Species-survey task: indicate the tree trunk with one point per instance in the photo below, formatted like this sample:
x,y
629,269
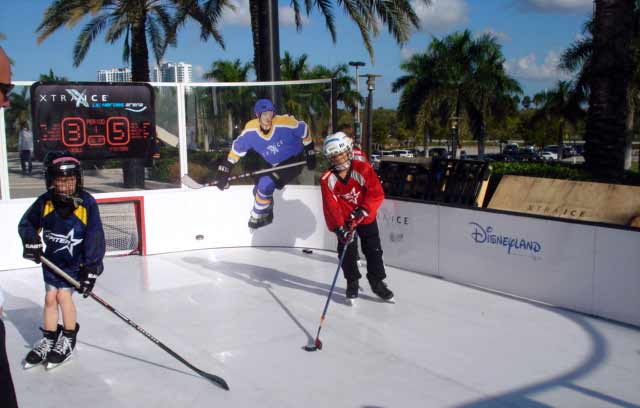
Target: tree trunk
x,y
612,68
630,122
561,140
139,51
254,10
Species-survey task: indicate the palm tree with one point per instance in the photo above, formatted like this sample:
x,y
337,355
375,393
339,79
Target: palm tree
x,y
578,59
611,71
562,105
458,77
397,15
142,22
237,100
52,78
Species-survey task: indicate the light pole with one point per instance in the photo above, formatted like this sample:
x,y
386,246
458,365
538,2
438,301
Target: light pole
x,y
371,86
357,64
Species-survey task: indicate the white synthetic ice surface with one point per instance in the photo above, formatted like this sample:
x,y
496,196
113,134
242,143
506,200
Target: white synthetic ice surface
x,y
245,314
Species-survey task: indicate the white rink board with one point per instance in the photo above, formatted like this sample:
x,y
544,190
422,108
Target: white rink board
x,y
555,267
409,235
617,275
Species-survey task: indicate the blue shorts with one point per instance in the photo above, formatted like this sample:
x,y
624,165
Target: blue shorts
x,y
54,281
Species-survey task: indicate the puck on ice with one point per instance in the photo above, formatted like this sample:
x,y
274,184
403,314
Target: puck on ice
x,y
307,251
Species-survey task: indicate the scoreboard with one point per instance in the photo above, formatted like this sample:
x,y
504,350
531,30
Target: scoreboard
x,y
93,120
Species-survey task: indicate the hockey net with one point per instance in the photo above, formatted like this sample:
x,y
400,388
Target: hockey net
x,y
123,223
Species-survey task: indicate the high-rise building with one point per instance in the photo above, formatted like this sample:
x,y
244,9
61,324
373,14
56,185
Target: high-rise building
x,y
114,75
173,72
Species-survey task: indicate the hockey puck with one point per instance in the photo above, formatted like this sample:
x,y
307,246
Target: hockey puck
x,y
307,251
199,237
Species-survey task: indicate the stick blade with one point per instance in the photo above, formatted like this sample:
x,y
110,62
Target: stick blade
x,y
191,183
215,379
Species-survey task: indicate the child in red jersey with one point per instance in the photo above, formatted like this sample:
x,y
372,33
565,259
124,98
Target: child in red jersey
x,y
351,195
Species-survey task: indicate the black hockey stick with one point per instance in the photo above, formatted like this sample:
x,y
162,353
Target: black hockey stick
x,y
219,381
318,344
191,183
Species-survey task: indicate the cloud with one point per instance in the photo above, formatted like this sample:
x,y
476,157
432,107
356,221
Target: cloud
x,y
555,6
441,15
528,68
502,37
242,17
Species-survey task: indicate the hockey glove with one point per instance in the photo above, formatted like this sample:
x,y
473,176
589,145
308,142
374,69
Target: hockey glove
x,y
310,155
32,249
222,178
344,234
358,215
88,275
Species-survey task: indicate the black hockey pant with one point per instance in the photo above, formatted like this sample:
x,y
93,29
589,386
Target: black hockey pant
x,y
370,238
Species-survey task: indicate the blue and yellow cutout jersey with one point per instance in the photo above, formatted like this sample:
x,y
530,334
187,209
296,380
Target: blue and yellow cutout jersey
x,y
286,139
70,242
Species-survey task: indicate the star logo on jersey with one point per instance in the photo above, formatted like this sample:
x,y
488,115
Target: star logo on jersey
x,y
352,197
68,241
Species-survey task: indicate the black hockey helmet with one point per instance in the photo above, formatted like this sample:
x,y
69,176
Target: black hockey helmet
x,y
62,164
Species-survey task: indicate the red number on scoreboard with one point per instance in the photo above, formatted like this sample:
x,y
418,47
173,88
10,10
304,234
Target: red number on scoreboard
x,y
118,131
74,132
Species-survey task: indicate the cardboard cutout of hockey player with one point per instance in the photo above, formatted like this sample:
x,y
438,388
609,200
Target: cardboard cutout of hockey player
x,y
279,140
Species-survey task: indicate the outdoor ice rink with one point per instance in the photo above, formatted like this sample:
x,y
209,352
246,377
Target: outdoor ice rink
x,y
245,314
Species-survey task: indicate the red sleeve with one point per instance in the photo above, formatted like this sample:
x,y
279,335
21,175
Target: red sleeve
x,y
375,195
330,205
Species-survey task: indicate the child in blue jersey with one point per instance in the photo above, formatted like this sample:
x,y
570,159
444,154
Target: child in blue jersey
x,y
279,140
70,223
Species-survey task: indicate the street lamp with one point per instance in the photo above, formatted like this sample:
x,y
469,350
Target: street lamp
x,y
357,64
455,128
371,86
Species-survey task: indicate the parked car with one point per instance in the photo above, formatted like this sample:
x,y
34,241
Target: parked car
x,y
438,152
510,148
402,153
548,155
384,153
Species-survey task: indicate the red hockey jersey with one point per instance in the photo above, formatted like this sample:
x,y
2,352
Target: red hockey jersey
x,y
361,188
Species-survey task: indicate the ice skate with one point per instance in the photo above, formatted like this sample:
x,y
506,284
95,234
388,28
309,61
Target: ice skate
x,y
352,292
63,349
42,348
260,220
380,288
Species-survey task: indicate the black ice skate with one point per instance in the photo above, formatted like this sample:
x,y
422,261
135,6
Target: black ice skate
x,y
260,220
42,348
380,288
352,292
63,349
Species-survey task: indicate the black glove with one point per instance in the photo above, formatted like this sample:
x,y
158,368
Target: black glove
x,y
358,214
344,234
310,155
32,249
88,275
222,178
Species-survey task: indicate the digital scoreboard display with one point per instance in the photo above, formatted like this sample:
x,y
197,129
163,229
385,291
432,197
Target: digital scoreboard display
x,y
93,120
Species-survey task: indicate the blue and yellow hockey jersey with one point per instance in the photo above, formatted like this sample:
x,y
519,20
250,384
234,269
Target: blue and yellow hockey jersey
x,y
70,242
286,139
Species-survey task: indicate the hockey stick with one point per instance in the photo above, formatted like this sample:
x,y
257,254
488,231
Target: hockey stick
x,y
318,344
219,381
191,183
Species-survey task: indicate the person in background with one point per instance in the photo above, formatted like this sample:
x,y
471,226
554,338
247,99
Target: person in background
x,y
25,147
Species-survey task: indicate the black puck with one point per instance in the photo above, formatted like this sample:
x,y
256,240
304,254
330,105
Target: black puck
x,y
307,251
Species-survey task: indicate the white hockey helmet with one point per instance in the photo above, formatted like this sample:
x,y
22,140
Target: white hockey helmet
x,y
333,148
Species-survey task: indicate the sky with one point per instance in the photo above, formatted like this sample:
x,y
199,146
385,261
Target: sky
x,y
533,34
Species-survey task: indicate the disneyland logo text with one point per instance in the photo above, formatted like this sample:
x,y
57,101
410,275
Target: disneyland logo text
x,y
514,245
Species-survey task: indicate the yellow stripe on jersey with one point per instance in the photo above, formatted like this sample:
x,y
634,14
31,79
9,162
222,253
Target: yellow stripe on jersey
x,y
262,200
48,209
233,157
81,213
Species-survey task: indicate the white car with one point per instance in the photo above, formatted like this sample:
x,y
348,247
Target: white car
x,y
402,153
548,156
